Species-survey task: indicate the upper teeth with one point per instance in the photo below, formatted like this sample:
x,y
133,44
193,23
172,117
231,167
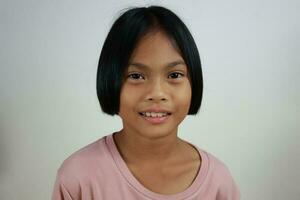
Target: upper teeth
x,y
154,114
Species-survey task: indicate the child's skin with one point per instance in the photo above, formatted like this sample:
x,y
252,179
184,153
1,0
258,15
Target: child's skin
x,y
159,159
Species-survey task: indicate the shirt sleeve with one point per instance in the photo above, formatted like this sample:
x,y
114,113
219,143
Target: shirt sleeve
x,y
228,191
60,192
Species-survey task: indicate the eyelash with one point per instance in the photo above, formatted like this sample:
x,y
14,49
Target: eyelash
x,y
178,73
140,75
130,76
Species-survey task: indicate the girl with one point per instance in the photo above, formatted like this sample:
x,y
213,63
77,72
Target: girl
x,y
149,74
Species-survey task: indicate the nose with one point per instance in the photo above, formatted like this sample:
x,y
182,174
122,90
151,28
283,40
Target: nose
x,y
156,91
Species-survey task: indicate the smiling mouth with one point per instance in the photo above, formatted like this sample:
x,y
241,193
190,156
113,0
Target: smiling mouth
x,y
155,118
154,114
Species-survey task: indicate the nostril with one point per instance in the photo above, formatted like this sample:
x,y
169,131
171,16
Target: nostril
x,y
151,99
156,99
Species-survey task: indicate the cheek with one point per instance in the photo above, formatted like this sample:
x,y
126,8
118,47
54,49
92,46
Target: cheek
x,y
128,98
184,92
184,97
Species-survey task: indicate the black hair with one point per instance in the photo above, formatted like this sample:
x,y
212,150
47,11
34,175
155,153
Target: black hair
x,y
122,39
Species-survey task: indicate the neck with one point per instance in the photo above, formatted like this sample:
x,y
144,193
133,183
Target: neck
x,y
138,149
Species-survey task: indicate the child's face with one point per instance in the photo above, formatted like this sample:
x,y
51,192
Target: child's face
x,y
152,88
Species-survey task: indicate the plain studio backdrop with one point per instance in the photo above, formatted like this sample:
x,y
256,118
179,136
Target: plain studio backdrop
x,y
250,112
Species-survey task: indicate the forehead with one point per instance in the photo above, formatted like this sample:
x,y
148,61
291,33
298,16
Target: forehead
x,y
156,48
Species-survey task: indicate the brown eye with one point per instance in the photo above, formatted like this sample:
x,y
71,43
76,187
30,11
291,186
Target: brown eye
x,y
175,75
135,76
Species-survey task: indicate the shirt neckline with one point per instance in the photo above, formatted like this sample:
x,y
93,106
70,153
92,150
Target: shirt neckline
x,y
130,178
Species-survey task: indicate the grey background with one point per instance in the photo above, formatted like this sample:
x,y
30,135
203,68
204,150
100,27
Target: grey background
x,y
250,113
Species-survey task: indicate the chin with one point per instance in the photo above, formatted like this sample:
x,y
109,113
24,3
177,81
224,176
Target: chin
x,y
157,132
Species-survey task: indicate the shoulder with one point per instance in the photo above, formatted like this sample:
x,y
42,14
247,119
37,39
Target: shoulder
x,y
227,187
79,170
221,179
219,168
214,165
81,163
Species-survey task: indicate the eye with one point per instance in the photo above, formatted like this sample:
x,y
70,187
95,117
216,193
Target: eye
x,y
175,75
135,76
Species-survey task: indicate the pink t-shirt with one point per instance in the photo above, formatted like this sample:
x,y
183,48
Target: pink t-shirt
x,y
98,172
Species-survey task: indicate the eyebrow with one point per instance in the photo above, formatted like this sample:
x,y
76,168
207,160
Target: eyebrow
x,y
171,64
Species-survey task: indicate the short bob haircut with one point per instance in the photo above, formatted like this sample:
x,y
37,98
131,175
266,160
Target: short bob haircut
x,y
122,39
